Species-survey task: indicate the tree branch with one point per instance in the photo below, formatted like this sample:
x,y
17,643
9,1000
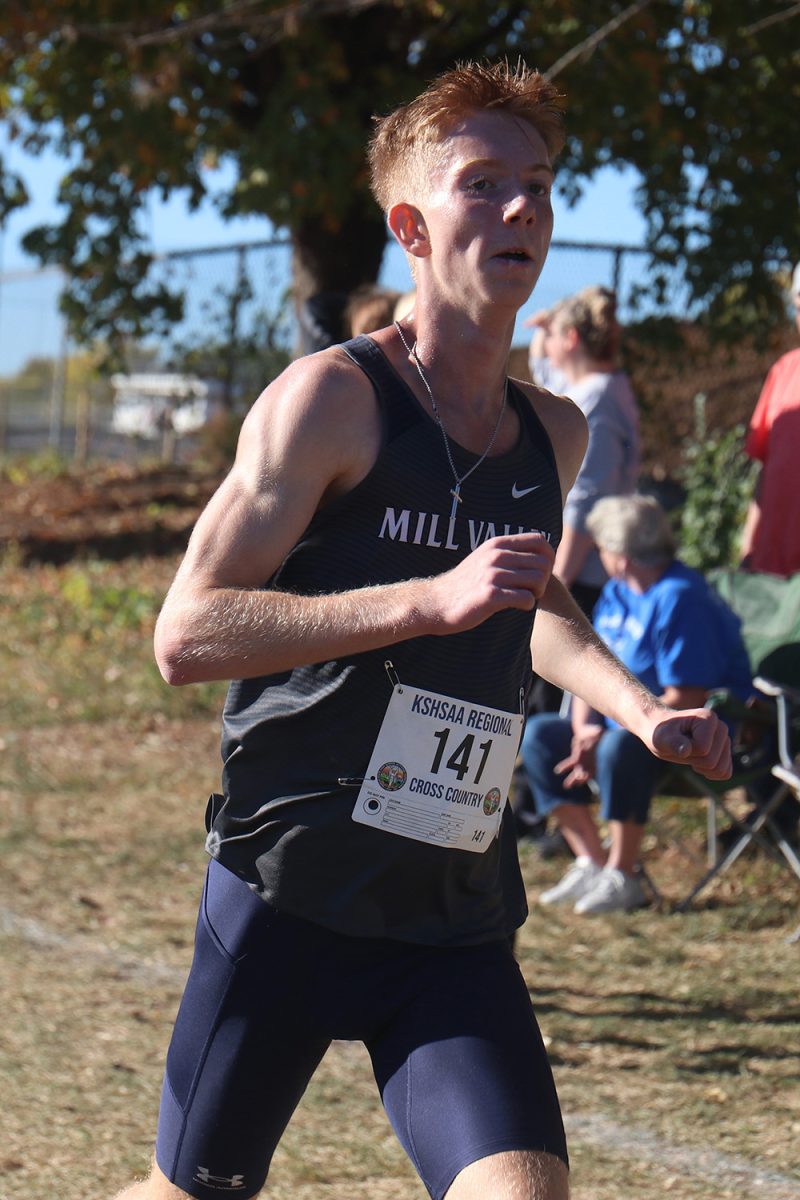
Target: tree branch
x,y
279,21
587,47
757,26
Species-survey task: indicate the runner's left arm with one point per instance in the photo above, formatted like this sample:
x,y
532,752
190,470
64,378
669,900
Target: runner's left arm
x,y
568,652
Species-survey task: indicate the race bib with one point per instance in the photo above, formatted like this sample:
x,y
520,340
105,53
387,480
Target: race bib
x,y
440,770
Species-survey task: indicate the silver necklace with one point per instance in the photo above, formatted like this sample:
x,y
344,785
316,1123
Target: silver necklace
x,y
455,491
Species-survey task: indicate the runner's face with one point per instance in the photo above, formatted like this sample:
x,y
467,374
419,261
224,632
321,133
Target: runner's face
x,y
488,215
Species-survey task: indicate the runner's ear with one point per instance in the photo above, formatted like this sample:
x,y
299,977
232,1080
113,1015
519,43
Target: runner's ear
x,y
408,226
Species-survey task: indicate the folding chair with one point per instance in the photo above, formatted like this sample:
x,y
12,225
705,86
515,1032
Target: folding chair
x,y
769,609
788,769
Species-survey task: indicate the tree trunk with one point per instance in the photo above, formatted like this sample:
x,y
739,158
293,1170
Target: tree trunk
x,y
327,265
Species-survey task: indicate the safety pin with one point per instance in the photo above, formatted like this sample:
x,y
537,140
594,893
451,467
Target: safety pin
x,y
393,676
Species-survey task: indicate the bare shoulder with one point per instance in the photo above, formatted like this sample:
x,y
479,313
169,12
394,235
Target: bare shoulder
x,y
555,412
566,427
313,434
319,415
323,396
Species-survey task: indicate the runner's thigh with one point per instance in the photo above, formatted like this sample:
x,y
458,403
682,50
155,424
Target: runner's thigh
x,y
462,1068
243,1048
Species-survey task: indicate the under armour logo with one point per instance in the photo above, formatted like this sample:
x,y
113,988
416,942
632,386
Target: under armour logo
x,y
517,492
222,1183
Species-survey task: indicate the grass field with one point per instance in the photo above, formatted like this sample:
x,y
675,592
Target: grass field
x,y
673,1037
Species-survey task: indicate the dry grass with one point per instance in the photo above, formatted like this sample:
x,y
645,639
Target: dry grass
x,y
673,1036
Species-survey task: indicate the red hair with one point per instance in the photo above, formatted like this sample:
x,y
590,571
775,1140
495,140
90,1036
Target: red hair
x,y
402,141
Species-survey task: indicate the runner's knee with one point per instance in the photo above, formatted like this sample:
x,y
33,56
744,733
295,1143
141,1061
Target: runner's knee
x,y
513,1175
157,1187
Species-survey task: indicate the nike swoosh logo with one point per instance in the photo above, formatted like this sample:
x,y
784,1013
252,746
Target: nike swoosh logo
x,y
518,493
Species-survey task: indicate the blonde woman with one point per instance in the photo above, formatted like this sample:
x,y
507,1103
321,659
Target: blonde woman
x,y
580,341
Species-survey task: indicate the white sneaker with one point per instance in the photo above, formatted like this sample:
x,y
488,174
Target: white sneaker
x,y
579,879
613,891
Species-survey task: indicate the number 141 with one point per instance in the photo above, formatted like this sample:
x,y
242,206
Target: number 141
x,y
460,758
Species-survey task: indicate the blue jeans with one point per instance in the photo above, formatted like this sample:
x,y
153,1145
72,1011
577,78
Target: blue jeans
x,y
626,771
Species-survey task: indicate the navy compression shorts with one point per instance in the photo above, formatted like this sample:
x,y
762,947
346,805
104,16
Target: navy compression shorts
x,y
455,1047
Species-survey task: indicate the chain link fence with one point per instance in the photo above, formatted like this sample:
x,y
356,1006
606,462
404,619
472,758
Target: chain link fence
x,y
238,330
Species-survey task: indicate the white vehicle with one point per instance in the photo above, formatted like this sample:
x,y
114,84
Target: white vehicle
x,y
147,404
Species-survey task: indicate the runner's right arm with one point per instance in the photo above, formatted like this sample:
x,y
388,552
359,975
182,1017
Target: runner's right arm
x,y
311,436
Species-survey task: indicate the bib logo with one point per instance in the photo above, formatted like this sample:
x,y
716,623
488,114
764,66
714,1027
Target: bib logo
x,y
392,776
491,801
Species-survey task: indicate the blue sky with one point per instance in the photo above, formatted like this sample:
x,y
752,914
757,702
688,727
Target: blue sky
x,y
605,214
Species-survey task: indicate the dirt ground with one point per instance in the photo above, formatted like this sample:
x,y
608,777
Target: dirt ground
x,y
673,1036
109,510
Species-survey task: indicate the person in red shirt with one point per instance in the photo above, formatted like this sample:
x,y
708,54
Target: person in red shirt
x,y
771,536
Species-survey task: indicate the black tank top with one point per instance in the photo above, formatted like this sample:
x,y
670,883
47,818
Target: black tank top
x,y
284,823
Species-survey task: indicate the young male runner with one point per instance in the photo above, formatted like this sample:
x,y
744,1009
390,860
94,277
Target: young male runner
x,y
368,576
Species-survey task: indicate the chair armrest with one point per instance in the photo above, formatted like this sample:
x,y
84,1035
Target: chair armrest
x,y
788,775
786,699
770,688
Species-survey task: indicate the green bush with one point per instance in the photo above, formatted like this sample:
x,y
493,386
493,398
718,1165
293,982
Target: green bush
x,y
718,478
20,469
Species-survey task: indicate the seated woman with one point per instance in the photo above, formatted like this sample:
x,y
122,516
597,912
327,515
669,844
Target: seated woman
x,y
678,637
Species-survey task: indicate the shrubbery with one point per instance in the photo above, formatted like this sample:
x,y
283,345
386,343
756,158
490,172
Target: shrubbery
x,y
718,478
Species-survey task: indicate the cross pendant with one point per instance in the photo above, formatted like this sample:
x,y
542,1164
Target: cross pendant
x,y
456,494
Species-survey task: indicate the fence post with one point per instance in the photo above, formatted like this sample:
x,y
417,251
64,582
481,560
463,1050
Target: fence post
x,y
235,301
169,434
82,425
4,406
57,393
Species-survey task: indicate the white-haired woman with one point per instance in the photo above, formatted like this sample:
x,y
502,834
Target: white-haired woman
x,y
675,634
